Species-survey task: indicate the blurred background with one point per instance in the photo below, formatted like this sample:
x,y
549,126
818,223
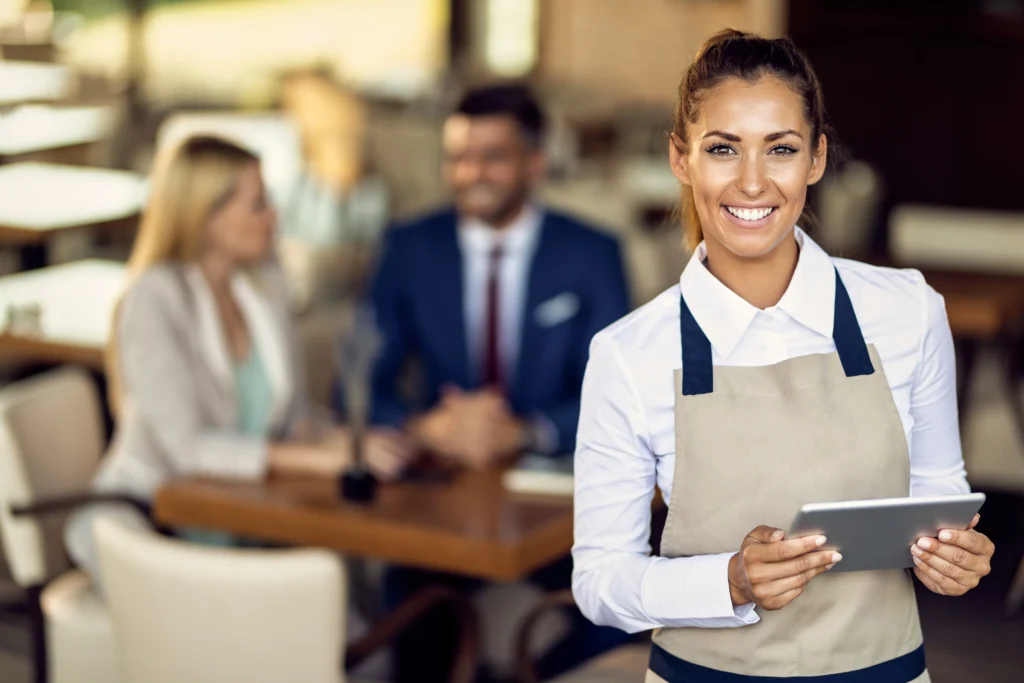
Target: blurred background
x,y
340,96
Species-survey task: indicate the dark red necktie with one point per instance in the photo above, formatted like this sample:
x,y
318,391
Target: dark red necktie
x,y
492,355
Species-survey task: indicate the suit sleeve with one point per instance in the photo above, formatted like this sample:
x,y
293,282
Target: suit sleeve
x,y
607,300
391,309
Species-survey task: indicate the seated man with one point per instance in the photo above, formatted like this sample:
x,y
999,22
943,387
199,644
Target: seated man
x,y
498,298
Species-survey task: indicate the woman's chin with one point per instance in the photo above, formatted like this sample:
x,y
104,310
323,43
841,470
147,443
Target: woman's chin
x,y
752,244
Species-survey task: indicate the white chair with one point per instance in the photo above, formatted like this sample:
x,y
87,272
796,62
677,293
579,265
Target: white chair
x,y
183,612
205,615
51,439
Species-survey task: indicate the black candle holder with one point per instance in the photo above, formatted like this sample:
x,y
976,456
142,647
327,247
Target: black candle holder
x,y
358,485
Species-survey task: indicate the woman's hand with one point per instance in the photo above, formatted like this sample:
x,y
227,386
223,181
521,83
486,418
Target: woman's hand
x,y
771,572
387,452
308,460
955,563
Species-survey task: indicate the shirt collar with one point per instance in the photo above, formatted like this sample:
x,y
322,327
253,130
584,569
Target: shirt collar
x,y
516,238
724,316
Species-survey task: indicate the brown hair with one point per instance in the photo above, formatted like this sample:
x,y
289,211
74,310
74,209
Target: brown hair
x,y
735,54
189,184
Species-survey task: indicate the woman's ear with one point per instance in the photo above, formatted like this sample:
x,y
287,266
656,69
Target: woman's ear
x,y
819,161
678,159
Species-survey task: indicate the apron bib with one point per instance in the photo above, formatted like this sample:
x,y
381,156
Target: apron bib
x,y
753,444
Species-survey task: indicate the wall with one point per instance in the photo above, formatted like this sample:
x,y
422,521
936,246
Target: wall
x,y
231,53
638,49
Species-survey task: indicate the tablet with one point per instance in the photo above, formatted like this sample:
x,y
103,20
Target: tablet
x,y
877,534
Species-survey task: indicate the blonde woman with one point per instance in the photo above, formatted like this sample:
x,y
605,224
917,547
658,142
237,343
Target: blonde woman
x,y
203,366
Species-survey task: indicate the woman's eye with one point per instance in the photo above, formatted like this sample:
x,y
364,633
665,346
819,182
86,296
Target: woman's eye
x,y
784,150
721,150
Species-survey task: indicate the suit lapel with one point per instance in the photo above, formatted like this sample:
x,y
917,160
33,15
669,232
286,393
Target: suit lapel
x,y
446,281
542,282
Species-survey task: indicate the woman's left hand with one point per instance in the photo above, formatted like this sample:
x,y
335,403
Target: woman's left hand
x,y
955,562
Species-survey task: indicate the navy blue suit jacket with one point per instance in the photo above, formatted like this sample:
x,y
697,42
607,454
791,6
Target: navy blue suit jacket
x,y
418,303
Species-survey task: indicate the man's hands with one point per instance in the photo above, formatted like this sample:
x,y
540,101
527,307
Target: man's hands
x,y
476,429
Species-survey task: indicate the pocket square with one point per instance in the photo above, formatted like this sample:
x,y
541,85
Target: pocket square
x,y
557,309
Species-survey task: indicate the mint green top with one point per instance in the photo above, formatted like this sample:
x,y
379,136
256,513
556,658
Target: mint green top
x,y
255,395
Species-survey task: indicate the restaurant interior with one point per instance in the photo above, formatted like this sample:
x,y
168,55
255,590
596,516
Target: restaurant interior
x,y
334,94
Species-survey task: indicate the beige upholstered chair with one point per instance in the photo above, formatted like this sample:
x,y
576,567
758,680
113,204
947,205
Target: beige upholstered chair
x,y
183,612
51,439
188,613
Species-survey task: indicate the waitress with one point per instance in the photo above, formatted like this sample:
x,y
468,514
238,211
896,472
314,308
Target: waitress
x,y
772,376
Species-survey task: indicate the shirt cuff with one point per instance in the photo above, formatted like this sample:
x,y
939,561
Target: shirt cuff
x,y
693,591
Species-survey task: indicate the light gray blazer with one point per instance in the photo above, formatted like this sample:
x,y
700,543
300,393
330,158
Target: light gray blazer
x,y
179,411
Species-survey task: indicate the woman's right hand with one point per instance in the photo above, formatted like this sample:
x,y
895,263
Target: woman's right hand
x,y
386,453
771,571
308,460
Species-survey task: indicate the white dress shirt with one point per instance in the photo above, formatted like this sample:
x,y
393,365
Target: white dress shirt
x,y
626,439
477,241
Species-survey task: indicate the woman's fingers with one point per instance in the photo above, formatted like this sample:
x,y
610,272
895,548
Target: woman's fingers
x,y
945,584
952,560
773,571
780,601
781,551
928,582
768,591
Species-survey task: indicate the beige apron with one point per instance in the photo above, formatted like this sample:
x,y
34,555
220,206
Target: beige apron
x,y
753,444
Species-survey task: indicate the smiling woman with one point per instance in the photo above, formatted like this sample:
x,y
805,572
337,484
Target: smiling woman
x,y
796,378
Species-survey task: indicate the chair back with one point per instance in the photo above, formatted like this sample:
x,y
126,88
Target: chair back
x,y
183,612
51,441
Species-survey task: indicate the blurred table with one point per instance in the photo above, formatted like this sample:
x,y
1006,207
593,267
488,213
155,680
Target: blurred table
x,y
40,200
33,129
984,309
23,82
76,301
470,525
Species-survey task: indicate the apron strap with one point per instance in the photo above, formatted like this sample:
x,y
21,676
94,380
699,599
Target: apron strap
x,y
698,373
847,336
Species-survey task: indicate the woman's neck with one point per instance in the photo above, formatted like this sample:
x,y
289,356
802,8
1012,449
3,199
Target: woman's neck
x,y
218,273
762,281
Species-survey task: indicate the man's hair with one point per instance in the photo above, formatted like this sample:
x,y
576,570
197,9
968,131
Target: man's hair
x,y
513,100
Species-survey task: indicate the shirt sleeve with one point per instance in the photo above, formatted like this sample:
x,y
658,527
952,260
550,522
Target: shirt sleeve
x,y
936,460
615,580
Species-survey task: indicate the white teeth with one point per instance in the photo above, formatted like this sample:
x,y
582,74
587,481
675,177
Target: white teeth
x,y
749,214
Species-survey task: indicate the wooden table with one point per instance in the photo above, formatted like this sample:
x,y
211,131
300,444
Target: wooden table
x,y
37,129
22,82
39,200
470,525
984,309
77,302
